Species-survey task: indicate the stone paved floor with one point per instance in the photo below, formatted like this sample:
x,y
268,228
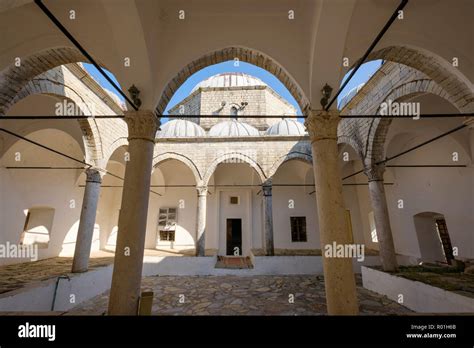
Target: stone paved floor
x,y
233,295
16,276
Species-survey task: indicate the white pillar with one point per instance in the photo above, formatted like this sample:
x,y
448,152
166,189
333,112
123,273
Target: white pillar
x,y
339,281
201,221
268,217
85,231
388,257
128,263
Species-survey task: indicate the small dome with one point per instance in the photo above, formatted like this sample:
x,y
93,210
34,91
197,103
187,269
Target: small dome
x,y
180,128
232,128
287,126
230,79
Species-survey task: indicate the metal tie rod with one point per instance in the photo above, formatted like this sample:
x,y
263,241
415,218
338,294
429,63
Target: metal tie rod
x,y
61,27
388,159
63,155
370,49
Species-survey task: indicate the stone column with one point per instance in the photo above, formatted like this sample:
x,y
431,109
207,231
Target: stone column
x,y
388,257
201,221
85,231
339,281
268,217
128,263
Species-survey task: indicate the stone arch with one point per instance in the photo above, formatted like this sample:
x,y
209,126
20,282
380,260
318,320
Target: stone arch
x,y
230,53
17,83
181,158
442,79
294,155
108,152
233,155
380,126
13,79
89,128
352,142
457,87
32,127
36,129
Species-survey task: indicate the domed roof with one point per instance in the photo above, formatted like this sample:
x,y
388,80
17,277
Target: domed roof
x,y
232,128
287,126
230,79
180,128
347,98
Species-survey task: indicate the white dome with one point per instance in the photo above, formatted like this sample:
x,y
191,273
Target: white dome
x,y
180,128
230,79
232,128
287,126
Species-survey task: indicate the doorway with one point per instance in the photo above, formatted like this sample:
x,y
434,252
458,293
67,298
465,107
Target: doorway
x,y
234,237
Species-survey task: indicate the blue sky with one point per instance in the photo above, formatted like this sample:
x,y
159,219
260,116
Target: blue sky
x,y
364,73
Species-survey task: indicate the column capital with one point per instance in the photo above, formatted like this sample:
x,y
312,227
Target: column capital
x,y
374,171
142,124
93,175
322,124
267,187
202,190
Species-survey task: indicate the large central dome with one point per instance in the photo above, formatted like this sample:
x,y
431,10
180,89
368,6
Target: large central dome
x,y
230,79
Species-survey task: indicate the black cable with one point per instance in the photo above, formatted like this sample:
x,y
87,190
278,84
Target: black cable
x,y
227,116
423,144
58,117
45,147
45,168
82,50
411,149
428,166
369,50
64,155
410,117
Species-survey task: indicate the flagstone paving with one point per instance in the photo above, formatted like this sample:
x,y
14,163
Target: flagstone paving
x,y
234,295
18,275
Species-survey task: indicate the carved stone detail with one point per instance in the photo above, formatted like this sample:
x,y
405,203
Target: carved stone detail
x,y
267,188
322,124
374,172
142,125
202,190
93,175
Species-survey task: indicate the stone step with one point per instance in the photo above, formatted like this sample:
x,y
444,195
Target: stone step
x,y
234,262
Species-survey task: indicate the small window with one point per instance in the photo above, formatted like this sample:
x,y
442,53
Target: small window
x,y
37,228
234,200
167,219
167,236
298,228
